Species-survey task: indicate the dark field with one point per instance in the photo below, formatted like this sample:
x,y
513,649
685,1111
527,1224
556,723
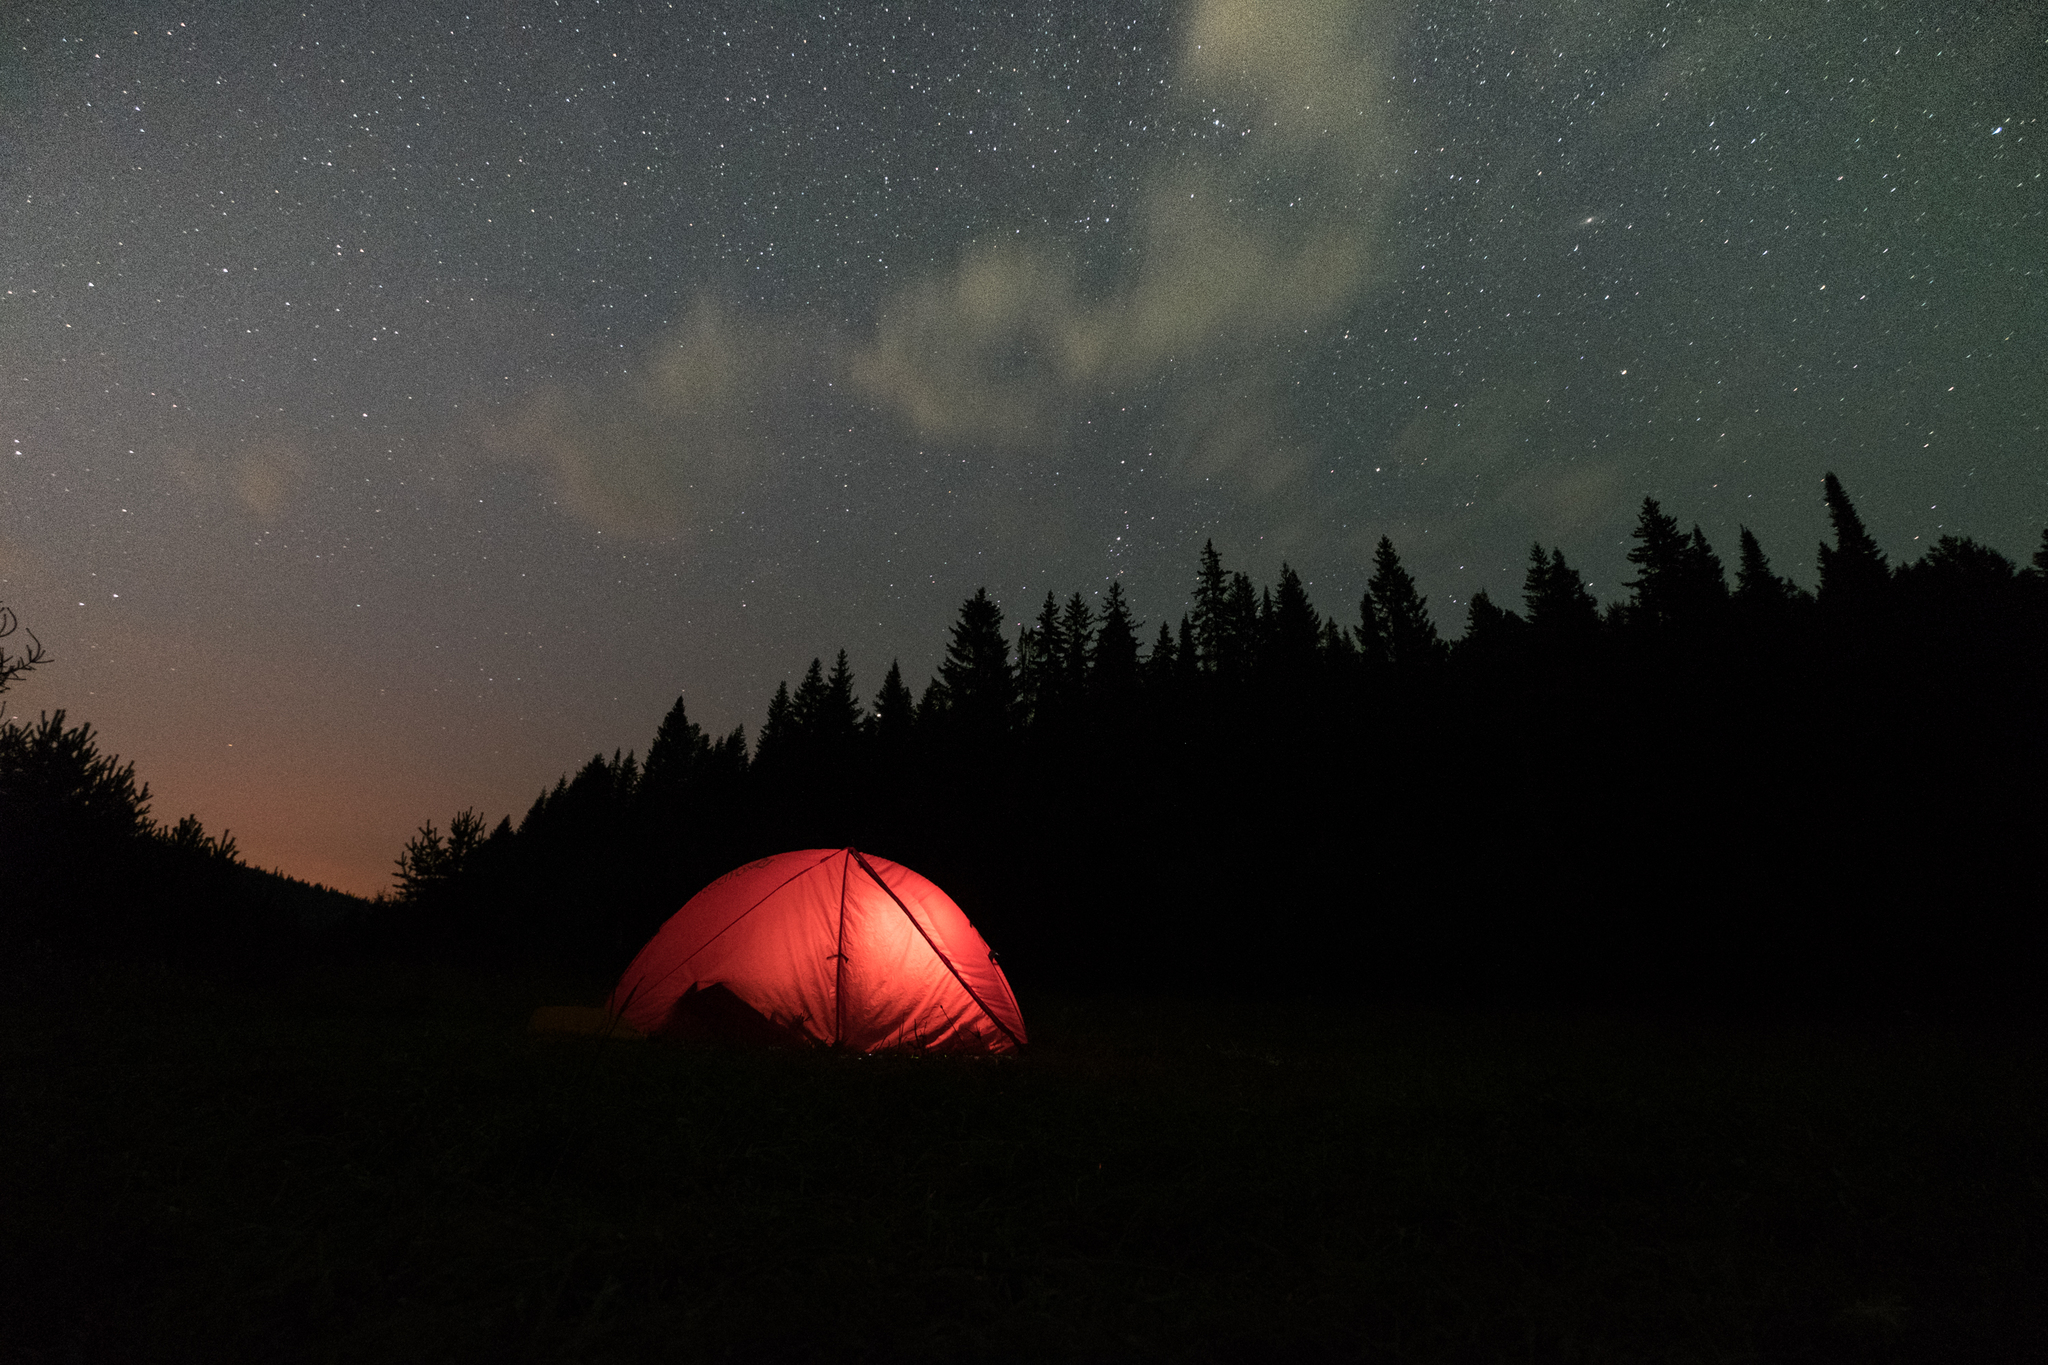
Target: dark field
x,y
377,1165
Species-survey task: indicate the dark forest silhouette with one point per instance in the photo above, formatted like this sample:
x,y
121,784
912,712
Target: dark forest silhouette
x,y
1744,793
86,868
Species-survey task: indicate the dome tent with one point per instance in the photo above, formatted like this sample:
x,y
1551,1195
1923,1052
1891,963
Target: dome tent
x,y
827,946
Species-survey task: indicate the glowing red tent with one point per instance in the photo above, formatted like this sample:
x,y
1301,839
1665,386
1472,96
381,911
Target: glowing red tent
x,y
826,945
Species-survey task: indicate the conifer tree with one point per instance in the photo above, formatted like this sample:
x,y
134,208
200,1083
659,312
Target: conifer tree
x,y
1162,665
1116,645
931,707
1296,632
895,710
1658,592
679,750
1189,660
1077,641
1852,570
1212,611
1411,638
980,687
807,708
1041,649
1759,591
1488,628
1370,635
839,713
1559,604
1706,582
778,730
1241,628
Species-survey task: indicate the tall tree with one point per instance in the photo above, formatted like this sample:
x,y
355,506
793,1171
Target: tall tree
x,y
1041,650
980,687
895,710
1116,645
1658,591
1077,632
1162,665
1212,610
1559,604
778,731
1705,596
1852,570
839,713
1297,631
1241,628
1760,593
1411,637
807,708
680,749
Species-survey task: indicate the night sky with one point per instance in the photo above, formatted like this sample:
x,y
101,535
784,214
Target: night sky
x,y
400,403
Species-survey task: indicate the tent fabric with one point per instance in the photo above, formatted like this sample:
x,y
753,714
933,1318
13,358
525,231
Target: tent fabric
x,y
830,945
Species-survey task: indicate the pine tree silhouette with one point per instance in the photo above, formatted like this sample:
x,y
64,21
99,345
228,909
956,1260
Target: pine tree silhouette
x,y
1212,612
1296,631
1162,665
1559,604
1760,593
980,687
807,710
1490,630
1657,592
778,731
1077,643
1412,642
895,715
1041,652
1853,575
1116,646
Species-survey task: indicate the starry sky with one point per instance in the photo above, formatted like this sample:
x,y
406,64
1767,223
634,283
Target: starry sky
x,y
400,403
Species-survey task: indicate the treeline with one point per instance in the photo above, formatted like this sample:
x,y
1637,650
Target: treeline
x,y
1732,793
86,869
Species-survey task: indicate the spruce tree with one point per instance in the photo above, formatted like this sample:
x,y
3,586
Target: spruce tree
x,y
895,710
980,687
1853,575
777,731
1411,636
807,709
679,750
1657,593
1370,635
1241,628
1077,642
839,713
1760,594
1296,631
1705,598
1162,665
1489,629
1212,611
1115,672
1041,650
1559,604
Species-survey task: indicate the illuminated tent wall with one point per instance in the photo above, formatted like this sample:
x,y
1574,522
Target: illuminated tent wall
x,y
828,946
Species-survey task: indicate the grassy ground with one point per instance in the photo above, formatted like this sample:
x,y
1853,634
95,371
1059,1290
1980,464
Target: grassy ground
x,y
368,1165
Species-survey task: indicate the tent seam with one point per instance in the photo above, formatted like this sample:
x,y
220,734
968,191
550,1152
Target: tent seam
x,y
937,951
